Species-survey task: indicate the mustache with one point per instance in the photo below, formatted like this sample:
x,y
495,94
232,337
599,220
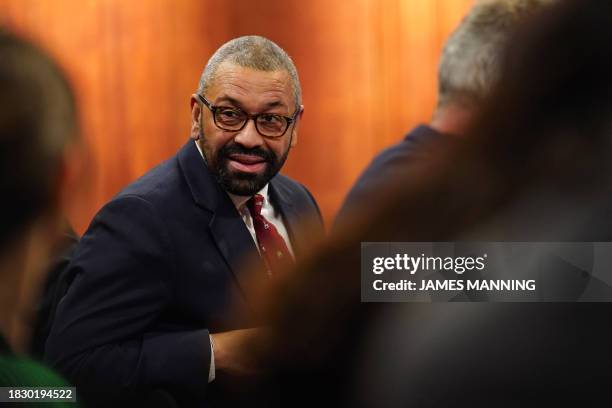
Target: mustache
x,y
228,150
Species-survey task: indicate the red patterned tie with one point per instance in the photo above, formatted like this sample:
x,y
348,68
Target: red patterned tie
x,y
271,245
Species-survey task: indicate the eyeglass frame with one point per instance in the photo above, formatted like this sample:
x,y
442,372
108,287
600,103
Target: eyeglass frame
x,y
213,109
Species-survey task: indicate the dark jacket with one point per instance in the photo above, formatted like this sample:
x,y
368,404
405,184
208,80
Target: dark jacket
x,y
386,168
158,270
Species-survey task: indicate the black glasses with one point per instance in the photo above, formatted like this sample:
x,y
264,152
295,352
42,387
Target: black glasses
x,y
229,119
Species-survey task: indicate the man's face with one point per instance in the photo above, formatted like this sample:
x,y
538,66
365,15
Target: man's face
x,y
244,161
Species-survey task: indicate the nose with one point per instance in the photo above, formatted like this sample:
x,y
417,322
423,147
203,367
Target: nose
x,y
249,137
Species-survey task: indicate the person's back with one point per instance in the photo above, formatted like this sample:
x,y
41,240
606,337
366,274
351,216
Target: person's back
x,y
535,167
468,69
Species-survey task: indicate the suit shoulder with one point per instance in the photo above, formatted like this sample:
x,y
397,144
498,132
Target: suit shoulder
x,y
291,187
296,192
157,184
287,182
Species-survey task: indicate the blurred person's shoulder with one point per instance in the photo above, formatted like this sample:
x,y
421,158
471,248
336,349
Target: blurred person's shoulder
x,y
25,372
389,166
392,161
20,372
413,145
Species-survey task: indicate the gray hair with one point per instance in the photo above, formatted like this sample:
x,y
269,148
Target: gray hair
x,y
254,52
470,62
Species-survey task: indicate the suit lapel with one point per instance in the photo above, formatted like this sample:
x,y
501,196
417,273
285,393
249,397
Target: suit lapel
x,y
231,236
281,199
236,244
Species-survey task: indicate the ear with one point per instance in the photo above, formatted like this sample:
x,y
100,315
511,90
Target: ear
x,y
298,119
196,111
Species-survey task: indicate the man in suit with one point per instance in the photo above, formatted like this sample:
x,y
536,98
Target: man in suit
x,y
469,66
160,271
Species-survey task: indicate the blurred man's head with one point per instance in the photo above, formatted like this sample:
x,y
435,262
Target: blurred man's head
x,y
245,113
470,61
37,123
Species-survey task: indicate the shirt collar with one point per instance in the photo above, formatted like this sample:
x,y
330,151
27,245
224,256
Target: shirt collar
x,y
238,201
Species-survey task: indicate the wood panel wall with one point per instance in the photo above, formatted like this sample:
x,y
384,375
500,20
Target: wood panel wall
x,y
368,72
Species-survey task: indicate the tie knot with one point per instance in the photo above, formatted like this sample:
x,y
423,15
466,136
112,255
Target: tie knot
x,y
255,204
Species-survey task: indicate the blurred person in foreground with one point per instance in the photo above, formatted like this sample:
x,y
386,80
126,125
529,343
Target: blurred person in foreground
x,y
160,300
537,166
37,130
469,67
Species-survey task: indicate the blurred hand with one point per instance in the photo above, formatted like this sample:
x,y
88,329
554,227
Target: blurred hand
x,y
233,351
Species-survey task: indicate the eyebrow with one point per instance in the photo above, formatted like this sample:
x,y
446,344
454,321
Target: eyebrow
x,y
235,102
230,100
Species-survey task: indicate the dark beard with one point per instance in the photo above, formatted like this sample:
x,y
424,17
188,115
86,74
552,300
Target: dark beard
x,y
244,184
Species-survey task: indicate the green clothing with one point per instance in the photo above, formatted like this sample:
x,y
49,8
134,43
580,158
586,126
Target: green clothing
x,y
23,372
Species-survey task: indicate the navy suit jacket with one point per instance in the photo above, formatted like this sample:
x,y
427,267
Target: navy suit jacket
x,y
386,168
157,271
